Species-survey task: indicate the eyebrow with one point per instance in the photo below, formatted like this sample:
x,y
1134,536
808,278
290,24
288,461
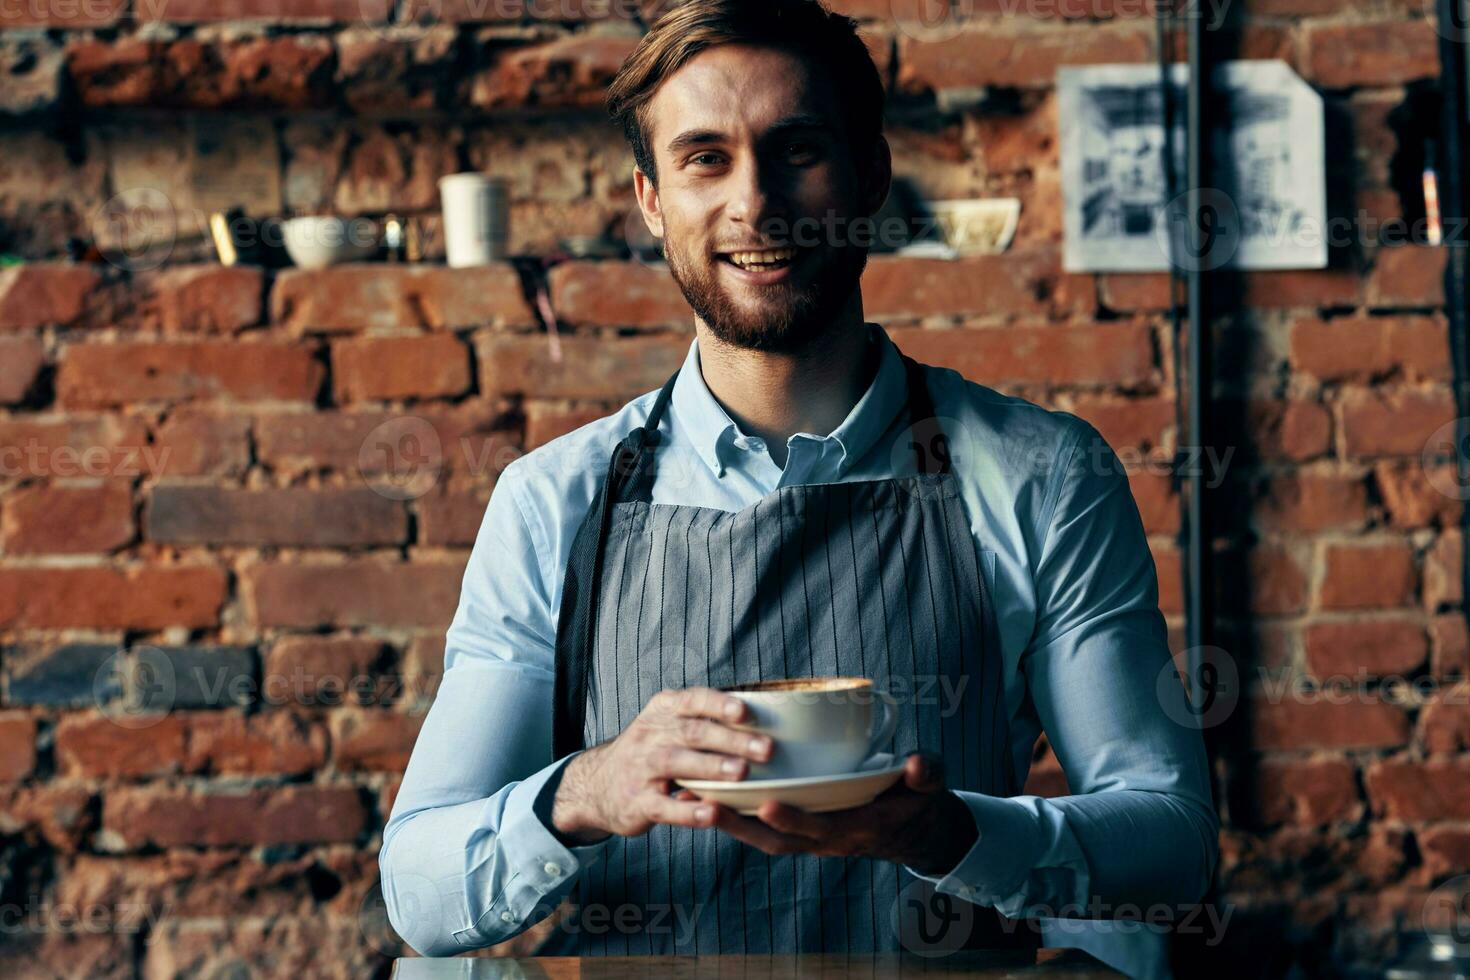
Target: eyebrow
x,y
703,137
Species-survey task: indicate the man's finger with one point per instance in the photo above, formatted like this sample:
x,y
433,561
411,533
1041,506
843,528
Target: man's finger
x,y
706,702
659,808
758,835
790,820
922,775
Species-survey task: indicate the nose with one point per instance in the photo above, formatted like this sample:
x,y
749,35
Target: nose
x,y
755,195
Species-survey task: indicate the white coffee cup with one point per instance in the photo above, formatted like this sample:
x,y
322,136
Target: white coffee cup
x,y
476,219
822,726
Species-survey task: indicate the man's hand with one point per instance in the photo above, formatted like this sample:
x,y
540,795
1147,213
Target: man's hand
x,y
622,786
916,822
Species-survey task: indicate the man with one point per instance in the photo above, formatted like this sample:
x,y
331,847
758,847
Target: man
x,y
800,500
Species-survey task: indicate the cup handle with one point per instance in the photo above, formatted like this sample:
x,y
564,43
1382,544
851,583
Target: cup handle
x,y
886,727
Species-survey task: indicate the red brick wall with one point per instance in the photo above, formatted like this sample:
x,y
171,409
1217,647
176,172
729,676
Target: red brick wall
x,y
263,485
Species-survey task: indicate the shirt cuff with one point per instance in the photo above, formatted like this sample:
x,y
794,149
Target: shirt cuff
x,y
1008,845
542,869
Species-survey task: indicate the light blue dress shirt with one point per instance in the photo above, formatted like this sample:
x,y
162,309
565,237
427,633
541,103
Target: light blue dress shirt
x,y
467,859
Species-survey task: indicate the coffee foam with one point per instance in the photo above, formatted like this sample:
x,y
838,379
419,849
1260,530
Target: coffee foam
x,y
804,684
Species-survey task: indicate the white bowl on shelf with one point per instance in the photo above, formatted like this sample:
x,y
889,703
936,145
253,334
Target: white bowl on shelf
x,y
317,242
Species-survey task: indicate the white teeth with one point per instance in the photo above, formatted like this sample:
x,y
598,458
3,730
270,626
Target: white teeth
x,y
768,257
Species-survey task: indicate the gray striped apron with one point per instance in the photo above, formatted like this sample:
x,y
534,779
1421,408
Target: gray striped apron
x,y
877,579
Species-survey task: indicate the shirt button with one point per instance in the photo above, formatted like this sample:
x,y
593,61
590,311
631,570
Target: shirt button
x,y
552,868
506,916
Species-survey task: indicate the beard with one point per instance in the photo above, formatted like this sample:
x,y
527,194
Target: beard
x,y
788,316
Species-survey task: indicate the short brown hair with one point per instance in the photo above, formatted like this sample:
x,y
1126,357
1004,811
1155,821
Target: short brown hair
x,y
803,27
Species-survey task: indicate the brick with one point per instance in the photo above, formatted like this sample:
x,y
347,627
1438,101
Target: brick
x,y
194,676
1362,721
138,597
1392,422
1135,293
470,439
1268,579
1367,576
1000,53
286,944
246,71
320,671
1444,723
1377,647
1016,283
201,442
1385,854
229,884
21,359
387,170
1157,502
199,299
267,742
451,518
356,593
91,519
394,68
373,740
1449,643
1407,276
310,441
1294,430
1446,850
388,368
1303,502
1128,423
1414,494
377,297
62,815
61,13
95,746
590,367
573,71
273,517
618,294
67,675
1406,789
41,295
280,11
1305,792
1408,348
544,423
74,445
17,746
1101,353
1443,575
1300,288
98,375
134,817
1364,54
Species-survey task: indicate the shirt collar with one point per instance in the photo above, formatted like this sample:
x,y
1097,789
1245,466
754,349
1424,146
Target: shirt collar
x,y
711,430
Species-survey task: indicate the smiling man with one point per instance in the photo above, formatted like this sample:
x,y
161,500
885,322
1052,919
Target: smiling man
x,y
799,500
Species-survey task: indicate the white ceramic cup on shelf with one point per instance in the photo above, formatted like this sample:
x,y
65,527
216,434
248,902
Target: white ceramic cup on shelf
x,y
476,219
822,726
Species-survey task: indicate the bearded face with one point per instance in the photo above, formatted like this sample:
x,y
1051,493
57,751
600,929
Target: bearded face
x,y
757,196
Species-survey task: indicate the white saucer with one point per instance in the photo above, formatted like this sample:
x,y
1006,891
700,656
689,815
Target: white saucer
x,y
814,794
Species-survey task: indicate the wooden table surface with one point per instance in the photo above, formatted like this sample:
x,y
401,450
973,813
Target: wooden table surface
x,y
1070,963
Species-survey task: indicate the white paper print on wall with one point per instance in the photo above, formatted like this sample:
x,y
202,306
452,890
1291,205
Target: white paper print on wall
x,y
1265,206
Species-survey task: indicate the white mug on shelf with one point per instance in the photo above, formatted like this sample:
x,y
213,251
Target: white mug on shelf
x,y
476,219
